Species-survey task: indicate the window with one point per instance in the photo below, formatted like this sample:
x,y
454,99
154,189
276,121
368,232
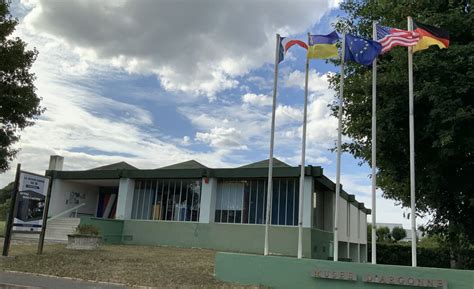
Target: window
x,y
167,200
244,201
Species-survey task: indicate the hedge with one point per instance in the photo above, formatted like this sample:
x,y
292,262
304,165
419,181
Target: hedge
x,y
400,254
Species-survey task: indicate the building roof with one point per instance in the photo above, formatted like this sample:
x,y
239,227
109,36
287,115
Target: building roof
x,y
191,164
194,169
264,164
116,166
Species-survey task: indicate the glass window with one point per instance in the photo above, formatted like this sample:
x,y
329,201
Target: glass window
x,y
244,201
167,200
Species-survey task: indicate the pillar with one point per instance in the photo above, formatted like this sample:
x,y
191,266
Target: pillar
x,y
56,163
208,200
125,199
308,190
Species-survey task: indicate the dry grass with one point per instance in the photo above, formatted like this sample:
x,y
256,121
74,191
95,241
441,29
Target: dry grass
x,y
163,267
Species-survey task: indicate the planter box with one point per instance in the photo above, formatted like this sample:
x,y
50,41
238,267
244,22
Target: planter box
x,y
83,242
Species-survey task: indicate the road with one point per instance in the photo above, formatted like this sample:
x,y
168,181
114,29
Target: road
x,y
10,280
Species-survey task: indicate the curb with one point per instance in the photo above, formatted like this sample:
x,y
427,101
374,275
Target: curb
x,y
73,279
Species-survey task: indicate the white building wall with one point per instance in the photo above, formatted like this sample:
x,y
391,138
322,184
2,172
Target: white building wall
x,y
363,227
354,223
342,226
67,194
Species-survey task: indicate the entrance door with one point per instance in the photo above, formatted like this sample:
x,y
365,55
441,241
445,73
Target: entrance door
x,y
107,202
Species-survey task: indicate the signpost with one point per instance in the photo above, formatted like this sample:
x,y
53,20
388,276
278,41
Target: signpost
x,y
29,206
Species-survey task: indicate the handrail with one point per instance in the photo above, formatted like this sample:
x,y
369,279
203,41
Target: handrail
x,y
67,211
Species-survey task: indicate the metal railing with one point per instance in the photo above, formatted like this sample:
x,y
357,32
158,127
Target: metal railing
x,y
73,209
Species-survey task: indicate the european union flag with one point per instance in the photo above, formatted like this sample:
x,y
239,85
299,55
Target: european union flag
x,y
360,50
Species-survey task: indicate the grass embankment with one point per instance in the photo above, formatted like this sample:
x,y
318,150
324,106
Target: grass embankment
x,y
163,267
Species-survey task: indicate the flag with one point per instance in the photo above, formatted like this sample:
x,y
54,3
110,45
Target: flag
x,y
286,43
360,50
430,35
323,46
391,37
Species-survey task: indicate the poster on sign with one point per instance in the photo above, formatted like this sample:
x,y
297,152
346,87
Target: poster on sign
x,y
32,190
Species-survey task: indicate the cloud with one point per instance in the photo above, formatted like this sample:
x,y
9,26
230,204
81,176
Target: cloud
x,y
196,47
222,138
257,99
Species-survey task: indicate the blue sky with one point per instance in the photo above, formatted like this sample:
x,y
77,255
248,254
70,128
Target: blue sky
x,y
154,83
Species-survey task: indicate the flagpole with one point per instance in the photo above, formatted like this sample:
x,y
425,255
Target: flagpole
x,y
374,149
302,166
338,157
412,149
272,140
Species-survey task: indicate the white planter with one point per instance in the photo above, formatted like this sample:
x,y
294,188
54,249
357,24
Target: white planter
x,y
83,242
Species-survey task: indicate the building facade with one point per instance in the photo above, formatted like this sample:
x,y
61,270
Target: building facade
x,y
191,205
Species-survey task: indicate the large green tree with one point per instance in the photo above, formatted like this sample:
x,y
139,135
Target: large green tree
x,y
19,104
444,112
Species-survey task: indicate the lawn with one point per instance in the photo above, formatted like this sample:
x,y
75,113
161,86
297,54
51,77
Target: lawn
x,y
164,267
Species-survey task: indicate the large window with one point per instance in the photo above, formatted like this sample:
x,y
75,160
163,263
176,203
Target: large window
x,y
167,199
244,201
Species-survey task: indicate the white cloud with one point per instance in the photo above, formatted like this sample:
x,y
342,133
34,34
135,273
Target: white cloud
x,y
257,99
196,47
222,138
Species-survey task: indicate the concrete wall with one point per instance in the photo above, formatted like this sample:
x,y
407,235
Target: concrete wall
x,y
111,230
289,273
363,227
227,237
342,220
354,223
66,195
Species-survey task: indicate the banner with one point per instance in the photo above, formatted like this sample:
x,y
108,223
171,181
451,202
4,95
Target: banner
x,y
32,190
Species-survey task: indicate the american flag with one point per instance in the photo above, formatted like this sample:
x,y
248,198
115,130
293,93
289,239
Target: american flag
x,y
391,37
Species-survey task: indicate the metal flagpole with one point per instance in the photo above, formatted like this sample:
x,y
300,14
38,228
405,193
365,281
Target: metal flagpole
x,y
303,152
338,157
272,139
374,149
412,149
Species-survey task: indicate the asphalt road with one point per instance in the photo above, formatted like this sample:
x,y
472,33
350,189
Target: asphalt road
x,y
10,280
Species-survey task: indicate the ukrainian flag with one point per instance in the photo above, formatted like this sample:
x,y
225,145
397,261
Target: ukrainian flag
x,y
323,46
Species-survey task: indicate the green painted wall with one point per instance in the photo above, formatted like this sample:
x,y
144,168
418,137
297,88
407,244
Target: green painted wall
x,y
111,230
225,237
320,241
291,273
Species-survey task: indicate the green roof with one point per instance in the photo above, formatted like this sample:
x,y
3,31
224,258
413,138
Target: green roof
x,y
264,164
192,164
116,166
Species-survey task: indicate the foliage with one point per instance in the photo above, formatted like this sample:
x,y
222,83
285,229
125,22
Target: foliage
x,y
444,113
19,104
369,232
438,257
398,233
4,209
5,192
86,229
2,228
383,234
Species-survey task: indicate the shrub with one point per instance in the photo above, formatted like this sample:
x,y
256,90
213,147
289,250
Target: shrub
x,y
86,229
398,233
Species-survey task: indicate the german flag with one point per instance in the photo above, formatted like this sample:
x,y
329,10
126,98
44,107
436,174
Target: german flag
x,y
430,35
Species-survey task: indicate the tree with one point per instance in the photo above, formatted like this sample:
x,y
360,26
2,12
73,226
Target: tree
x,y
398,233
19,104
444,113
383,234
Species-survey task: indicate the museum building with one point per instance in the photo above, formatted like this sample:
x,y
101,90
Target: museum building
x,y
191,205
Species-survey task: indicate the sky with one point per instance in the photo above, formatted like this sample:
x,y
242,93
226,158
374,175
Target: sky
x,y
155,83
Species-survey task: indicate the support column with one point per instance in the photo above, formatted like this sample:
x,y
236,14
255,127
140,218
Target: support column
x,y
308,190
56,163
208,200
125,199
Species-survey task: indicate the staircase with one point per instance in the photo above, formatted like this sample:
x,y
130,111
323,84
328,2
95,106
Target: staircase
x,y
58,229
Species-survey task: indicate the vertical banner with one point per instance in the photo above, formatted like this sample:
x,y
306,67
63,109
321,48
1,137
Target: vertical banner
x,y
32,190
